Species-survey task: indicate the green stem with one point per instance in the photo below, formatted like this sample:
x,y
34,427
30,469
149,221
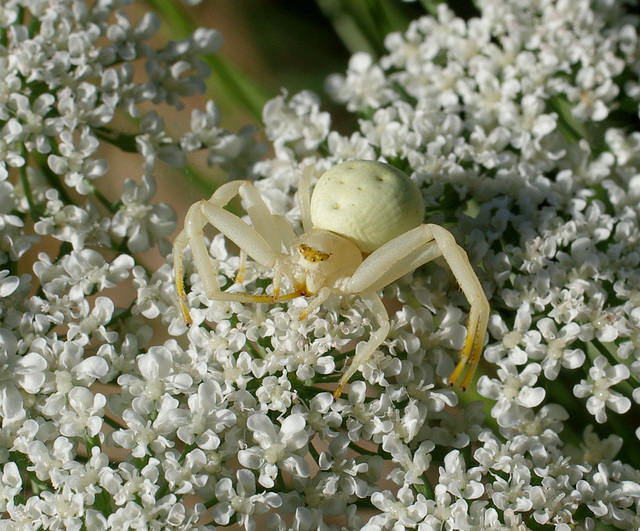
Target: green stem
x,y
36,210
364,451
238,86
91,442
606,352
571,130
355,24
203,185
561,392
113,423
431,6
426,489
124,141
119,316
111,207
314,452
52,178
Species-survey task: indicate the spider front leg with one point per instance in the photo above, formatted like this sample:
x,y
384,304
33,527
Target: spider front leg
x,y
479,309
409,251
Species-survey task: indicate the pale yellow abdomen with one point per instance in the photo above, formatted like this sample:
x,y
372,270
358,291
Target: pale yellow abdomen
x,y
367,202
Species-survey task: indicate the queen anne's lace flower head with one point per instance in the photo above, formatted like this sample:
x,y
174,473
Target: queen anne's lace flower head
x,y
517,125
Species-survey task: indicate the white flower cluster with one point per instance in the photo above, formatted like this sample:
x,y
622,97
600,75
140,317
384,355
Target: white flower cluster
x,y
518,125
70,79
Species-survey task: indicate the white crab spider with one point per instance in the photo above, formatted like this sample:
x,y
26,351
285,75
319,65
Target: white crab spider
x,y
362,230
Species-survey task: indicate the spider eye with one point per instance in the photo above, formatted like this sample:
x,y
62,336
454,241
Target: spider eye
x,y
312,255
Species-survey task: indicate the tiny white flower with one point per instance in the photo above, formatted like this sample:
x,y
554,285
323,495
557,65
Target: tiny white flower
x,y
557,353
365,85
10,484
404,511
187,474
18,374
513,392
242,501
208,417
142,225
460,482
8,283
277,448
93,324
602,376
84,415
297,123
76,163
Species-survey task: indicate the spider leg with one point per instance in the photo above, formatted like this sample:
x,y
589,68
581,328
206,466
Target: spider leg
x,y
262,220
242,266
479,310
179,246
394,259
263,243
287,237
316,301
365,349
304,198
413,249
285,232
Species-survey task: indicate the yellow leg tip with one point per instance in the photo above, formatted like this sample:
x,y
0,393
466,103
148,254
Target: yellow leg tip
x,y
467,379
468,360
185,314
457,372
338,392
182,301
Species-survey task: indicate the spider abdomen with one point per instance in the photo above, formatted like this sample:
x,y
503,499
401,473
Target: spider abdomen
x,y
368,202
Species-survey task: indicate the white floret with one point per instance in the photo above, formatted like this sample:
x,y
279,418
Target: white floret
x,y
367,202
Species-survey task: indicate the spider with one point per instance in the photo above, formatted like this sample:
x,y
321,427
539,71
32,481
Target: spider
x,y
363,229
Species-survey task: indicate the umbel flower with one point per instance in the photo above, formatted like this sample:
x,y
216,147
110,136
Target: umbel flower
x,y
518,123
